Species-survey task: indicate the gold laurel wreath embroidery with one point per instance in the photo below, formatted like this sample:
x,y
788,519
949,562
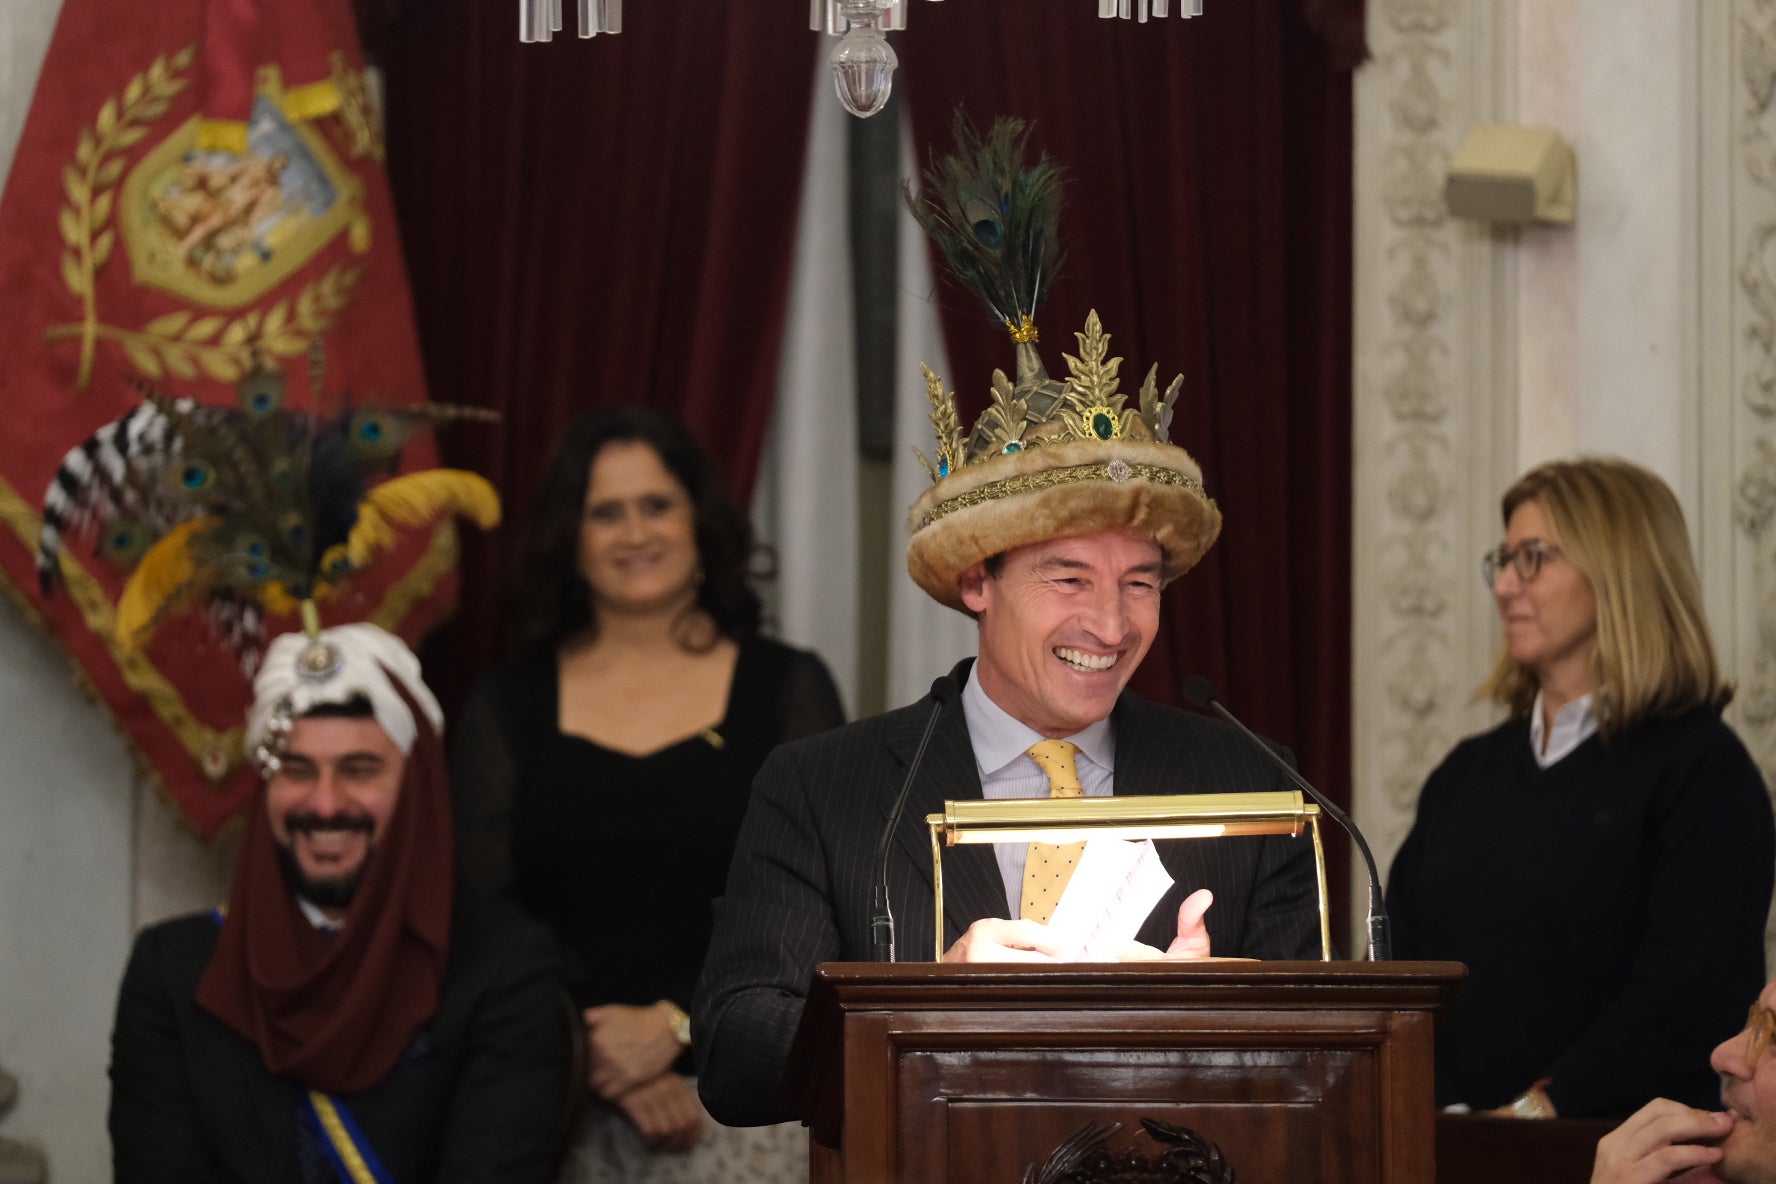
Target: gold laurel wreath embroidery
x,y
90,184
180,343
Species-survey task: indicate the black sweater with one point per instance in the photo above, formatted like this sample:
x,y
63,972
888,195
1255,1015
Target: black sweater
x,y
1610,909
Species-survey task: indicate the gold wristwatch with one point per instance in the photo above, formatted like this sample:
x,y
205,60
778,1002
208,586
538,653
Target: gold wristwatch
x,y
678,1021
1532,1103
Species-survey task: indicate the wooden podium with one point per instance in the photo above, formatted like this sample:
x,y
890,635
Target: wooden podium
x,y
1301,1071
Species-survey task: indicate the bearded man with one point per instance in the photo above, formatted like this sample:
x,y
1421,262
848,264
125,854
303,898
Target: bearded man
x,y
341,1019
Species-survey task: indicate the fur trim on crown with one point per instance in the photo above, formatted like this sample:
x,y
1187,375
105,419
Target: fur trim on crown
x,y
1056,491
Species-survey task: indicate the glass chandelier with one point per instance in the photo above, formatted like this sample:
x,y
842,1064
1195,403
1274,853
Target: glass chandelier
x,y
862,62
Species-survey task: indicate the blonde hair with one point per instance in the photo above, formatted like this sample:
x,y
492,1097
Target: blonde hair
x,y
1621,527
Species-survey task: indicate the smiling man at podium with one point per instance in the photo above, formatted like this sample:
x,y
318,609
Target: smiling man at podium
x,y
1055,524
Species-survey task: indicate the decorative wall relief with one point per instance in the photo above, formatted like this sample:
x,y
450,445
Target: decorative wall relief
x,y
1755,491
1405,565
1753,203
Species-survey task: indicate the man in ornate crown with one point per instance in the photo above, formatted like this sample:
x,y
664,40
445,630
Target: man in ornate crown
x,y
340,1020
1055,525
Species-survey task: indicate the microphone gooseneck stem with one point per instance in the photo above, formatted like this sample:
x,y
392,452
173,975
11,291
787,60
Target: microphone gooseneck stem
x,y
1381,942
881,908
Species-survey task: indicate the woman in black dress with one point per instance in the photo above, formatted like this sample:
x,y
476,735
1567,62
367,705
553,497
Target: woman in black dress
x,y
602,777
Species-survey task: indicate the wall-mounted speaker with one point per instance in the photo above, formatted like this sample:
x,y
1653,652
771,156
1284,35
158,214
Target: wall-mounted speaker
x,y
1507,173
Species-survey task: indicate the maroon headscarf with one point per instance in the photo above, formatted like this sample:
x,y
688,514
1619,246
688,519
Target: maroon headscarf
x,y
336,1015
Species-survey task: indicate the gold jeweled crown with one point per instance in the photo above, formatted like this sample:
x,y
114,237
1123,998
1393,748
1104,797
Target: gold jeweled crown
x,y
1047,459
1087,406
1050,459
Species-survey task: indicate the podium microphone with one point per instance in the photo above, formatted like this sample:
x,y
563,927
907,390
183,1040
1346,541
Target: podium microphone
x,y
1201,693
943,690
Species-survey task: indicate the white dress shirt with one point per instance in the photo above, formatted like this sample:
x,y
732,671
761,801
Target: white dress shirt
x,y
321,921
1574,724
1001,746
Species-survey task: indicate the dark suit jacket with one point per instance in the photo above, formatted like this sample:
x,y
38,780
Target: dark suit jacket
x,y
799,889
478,1096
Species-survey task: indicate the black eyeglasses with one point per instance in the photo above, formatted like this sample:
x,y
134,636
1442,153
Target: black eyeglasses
x,y
1527,557
1760,1026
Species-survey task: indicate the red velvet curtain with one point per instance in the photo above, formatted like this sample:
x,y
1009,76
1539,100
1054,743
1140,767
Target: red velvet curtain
x,y
591,222
1209,223
612,220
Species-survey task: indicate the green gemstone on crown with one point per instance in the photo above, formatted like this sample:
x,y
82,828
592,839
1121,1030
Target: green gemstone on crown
x,y
1103,427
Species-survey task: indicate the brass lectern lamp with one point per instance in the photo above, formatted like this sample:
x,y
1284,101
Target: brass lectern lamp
x,y
1138,816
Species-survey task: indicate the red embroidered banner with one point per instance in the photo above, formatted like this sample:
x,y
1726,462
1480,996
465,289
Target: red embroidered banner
x,y
199,185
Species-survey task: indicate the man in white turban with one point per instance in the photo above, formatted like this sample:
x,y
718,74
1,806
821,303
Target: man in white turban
x,y
342,1018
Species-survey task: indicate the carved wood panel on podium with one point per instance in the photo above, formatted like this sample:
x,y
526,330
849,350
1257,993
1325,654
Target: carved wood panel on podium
x,y
1306,1071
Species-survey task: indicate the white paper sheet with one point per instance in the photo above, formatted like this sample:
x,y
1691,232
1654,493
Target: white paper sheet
x,y
1114,887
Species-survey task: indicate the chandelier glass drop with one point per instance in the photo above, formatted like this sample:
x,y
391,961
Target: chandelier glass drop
x,y
540,20
863,62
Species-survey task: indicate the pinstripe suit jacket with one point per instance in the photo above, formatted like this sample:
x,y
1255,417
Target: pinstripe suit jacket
x,y
798,891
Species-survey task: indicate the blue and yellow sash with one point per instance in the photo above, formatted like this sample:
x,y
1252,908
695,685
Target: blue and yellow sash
x,y
354,1161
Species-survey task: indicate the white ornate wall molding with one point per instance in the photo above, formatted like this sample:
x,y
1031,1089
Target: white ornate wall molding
x,y
1434,383
1737,521
1742,395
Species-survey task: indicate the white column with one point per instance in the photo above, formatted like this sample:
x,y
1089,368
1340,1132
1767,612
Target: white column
x,y
1436,363
1547,257
1634,77
805,505
65,899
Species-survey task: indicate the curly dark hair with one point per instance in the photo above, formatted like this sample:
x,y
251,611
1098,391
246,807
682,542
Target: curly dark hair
x,y
551,599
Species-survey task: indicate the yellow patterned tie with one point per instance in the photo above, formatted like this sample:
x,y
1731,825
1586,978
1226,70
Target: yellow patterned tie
x,y
1048,866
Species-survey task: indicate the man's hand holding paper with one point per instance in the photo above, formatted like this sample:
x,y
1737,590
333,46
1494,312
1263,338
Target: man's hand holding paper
x,y
1112,890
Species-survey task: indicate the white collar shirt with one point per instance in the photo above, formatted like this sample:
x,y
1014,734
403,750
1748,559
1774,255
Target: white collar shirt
x,y
1001,744
321,921
1574,724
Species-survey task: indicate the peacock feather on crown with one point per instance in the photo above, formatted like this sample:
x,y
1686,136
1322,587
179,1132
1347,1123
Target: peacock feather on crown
x,y
996,222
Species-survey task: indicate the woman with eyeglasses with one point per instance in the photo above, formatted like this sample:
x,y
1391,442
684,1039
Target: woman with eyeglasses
x,y
1603,859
